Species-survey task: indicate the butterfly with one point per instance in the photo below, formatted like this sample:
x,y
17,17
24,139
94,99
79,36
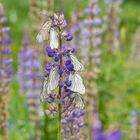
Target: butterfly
x,y
45,30
77,65
79,101
77,83
50,83
43,94
53,80
54,41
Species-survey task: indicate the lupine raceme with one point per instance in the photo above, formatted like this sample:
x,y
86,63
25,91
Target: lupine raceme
x,y
63,87
6,72
91,39
30,81
37,11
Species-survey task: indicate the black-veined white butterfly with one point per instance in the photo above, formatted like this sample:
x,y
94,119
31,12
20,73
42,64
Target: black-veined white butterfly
x,y
43,94
50,83
54,41
77,83
79,101
45,30
77,65
53,80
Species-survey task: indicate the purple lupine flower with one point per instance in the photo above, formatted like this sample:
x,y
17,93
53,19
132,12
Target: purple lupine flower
x,y
99,135
115,135
75,26
6,72
90,43
30,78
112,21
97,132
67,36
91,33
62,73
37,11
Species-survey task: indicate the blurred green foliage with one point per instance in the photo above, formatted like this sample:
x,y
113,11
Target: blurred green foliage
x,y
119,79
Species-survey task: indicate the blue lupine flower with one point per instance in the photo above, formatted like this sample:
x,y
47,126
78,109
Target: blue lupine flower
x,y
68,83
60,71
61,84
7,40
116,135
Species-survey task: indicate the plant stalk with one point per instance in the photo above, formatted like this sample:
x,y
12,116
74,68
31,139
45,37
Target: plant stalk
x,y
60,93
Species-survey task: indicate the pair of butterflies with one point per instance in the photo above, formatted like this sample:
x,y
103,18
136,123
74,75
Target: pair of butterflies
x,y
77,86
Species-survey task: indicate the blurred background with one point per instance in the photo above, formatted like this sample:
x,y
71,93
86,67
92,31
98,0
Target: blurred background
x,y
119,79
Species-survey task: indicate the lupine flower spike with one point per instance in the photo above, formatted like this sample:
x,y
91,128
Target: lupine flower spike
x,y
91,34
6,72
91,53
63,76
75,27
30,81
112,25
39,8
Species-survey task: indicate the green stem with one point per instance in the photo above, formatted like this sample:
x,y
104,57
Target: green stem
x,y
60,94
46,133
59,117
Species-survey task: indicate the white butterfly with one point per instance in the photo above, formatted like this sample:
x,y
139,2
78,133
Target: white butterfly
x,y
54,41
77,65
53,80
50,83
79,101
43,94
44,32
77,83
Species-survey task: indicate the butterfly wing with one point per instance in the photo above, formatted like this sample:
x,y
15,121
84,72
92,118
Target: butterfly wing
x,y
77,65
77,84
43,94
44,32
53,80
79,101
54,42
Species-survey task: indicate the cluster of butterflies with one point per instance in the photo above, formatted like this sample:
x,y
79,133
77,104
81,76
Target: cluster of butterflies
x,y
48,32
52,81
